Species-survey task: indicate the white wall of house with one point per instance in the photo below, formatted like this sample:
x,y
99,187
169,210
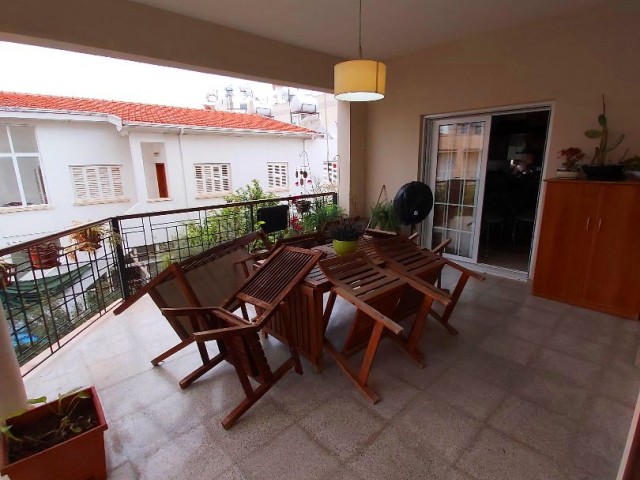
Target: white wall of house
x,y
62,144
75,143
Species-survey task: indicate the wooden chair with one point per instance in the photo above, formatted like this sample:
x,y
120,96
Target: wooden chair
x,y
206,279
425,267
238,341
375,292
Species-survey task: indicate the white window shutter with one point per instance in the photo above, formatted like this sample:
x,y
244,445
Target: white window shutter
x,y
97,182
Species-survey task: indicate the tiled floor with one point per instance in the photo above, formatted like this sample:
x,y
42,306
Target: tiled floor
x,y
530,389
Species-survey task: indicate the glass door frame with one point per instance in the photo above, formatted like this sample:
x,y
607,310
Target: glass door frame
x,y
432,152
424,167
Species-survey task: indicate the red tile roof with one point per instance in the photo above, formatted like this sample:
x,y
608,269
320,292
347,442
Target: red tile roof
x,y
150,114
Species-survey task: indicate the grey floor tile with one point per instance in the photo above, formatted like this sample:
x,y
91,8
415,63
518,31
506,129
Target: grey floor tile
x,y
552,392
299,456
435,425
546,432
610,418
579,372
476,397
495,456
392,455
549,318
578,347
489,368
594,454
527,330
511,348
342,426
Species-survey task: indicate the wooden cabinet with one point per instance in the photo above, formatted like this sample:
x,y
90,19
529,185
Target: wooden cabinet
x,y
589,247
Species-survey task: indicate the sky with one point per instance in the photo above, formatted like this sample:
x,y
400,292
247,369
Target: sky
x,y
58,72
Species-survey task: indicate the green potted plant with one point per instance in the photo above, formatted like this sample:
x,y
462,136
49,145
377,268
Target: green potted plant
x,y
321,213
383,217
88,239
63,439
571,161
601,168
345,235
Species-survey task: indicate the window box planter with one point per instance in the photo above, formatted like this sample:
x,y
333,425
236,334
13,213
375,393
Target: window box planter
x,y
80,457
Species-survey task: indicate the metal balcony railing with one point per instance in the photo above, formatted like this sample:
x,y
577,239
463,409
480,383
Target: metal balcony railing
x,y
53,287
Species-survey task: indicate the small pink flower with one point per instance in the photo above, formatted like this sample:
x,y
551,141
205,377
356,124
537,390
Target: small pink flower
x,y
309,181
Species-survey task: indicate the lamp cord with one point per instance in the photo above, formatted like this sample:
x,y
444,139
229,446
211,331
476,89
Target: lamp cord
x,y
360,31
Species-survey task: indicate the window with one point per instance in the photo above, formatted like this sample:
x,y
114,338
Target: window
x,y
277,174
21,181
331,172
98,183
212,179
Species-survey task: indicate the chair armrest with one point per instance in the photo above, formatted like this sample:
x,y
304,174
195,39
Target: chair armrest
x,y
427,289
217,311
368,310
439,249
222,333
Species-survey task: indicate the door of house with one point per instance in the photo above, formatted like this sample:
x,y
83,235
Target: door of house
x,y
161,176
457,161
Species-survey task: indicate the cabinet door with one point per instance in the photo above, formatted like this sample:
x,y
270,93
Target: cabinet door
x,y
568,221
614,267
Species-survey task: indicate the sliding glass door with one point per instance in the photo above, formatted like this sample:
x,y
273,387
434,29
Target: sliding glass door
x,y
457,158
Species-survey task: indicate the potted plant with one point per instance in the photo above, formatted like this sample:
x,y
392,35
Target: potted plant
x,y
383,217
345,235
88,239
7,272
632,166
44,255
600,168
571,161
320,214
63,439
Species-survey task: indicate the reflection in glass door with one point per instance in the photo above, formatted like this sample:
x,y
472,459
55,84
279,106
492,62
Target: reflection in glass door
x,y
457,162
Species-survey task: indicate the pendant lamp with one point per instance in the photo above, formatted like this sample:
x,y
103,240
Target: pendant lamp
x,y
359,80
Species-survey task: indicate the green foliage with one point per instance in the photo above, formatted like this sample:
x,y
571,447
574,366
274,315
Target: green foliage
x,y
383,216
632,163
225,224
604,148
321,213
346,230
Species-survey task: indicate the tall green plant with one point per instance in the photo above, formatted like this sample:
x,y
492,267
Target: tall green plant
x,y
603,149
383,216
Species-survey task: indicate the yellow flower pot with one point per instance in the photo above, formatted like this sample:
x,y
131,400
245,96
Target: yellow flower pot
x,y
342,247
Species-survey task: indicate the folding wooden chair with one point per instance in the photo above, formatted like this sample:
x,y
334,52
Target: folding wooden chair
x,y
238,341
375,292
206,279
425,267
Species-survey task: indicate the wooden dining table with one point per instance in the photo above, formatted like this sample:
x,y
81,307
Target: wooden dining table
x,y
306,307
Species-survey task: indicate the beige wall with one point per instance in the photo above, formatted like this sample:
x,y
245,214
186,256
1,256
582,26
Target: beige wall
x,y
569,60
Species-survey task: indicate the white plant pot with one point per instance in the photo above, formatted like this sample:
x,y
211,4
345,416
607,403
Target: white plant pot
x,y
567,173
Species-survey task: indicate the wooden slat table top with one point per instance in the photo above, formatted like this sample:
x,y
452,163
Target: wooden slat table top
x,y
317,280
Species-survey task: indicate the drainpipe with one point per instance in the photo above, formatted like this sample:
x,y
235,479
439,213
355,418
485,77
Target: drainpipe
x,y
13,396
184,174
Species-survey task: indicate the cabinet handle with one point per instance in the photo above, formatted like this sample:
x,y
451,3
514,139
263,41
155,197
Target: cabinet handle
x,y
588,223
599,224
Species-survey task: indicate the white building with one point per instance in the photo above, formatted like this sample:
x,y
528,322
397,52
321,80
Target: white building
x,y
70,159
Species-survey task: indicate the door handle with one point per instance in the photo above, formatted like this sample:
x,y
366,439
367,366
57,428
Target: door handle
x,y
588,223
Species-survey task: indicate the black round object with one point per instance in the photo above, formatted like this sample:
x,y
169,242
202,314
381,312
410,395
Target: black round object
x,y
413,202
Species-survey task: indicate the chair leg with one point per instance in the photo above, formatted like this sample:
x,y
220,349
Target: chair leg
x,y
446,314
160,358
286,318
198,372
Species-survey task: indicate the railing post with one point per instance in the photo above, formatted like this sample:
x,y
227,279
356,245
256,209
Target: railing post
x,y
121,265
253,224
334,197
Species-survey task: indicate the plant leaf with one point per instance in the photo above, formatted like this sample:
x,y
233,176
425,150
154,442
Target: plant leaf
x,y
593,133
33,401
616,143
602,120
6,431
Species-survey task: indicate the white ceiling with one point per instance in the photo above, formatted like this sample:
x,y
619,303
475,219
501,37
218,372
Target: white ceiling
x,y
390,27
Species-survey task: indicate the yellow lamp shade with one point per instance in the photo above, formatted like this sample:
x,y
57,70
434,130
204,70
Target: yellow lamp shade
x,y
359,80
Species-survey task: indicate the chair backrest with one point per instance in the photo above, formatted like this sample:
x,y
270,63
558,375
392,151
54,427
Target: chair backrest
x,y
306,240
275,279
405,256
358,275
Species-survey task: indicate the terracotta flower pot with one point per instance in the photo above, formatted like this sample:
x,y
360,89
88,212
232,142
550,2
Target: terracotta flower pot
x,y
44,255
88,240
7,272
78,458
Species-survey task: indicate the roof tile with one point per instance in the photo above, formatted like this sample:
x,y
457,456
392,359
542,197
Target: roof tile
x,y
150,114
